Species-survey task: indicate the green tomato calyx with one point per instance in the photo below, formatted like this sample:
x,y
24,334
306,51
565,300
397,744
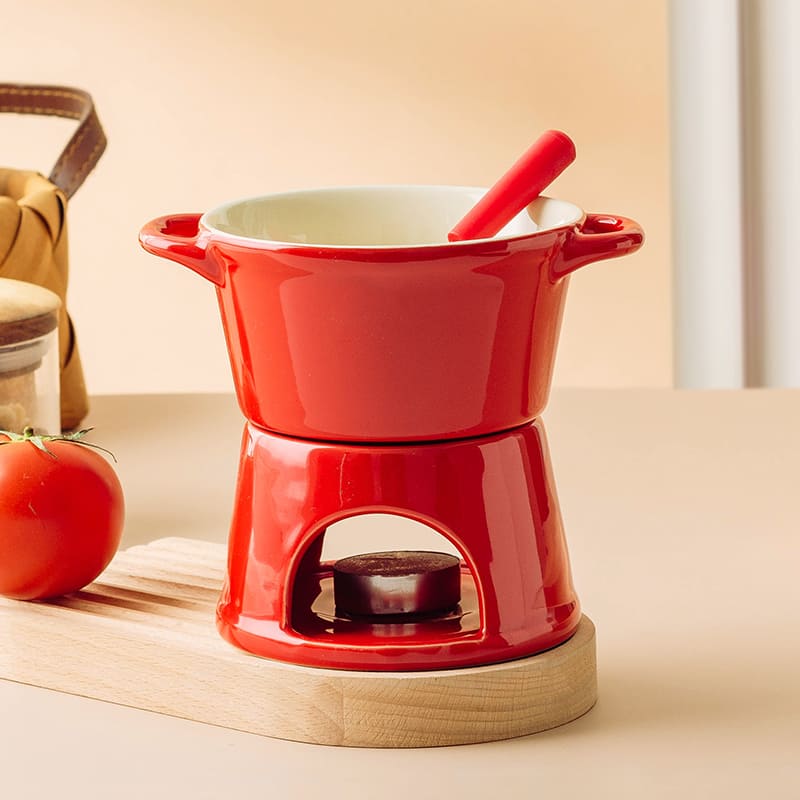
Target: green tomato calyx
x,y
40,440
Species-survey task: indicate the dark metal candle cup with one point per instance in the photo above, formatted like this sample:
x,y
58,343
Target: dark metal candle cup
x,y
404,582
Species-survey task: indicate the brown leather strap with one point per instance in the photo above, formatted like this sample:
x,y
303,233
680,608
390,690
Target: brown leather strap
x,y
88,142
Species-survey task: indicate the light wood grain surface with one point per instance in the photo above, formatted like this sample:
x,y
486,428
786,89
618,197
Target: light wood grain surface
x,y
143,635
682,518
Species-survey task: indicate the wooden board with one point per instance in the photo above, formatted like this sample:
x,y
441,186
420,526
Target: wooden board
x,y
143,635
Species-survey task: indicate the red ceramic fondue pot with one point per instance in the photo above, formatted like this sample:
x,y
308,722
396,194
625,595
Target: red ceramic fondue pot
x,y
350,317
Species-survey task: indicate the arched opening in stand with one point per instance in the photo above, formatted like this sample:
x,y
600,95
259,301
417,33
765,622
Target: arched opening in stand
x,y
384,575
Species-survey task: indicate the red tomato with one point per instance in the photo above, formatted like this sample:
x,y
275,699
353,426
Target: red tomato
x,y
61,517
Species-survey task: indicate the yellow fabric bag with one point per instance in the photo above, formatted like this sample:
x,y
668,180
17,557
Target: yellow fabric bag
x,y
33,218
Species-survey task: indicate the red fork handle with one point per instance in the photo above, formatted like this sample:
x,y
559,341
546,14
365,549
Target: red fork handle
x,y
600,236
178,238
529,176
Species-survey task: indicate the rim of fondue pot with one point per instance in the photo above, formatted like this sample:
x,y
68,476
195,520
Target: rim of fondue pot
x,y
372,217
349,316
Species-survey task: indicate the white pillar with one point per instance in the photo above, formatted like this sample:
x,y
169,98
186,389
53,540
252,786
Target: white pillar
x,y
707,193
772,62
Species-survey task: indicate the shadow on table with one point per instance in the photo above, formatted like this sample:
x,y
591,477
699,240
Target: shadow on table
x,y
708,695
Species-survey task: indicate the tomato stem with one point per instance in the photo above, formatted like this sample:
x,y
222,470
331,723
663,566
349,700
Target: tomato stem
x,y
40,440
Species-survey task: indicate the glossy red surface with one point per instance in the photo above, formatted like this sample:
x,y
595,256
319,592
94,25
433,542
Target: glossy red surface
x,y
528,177
493,497
410,380
395,343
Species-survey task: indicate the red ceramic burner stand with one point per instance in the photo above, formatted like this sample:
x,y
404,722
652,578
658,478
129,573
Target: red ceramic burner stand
x,y
492,496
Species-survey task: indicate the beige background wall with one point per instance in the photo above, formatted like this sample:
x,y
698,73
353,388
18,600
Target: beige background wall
x,y
205,102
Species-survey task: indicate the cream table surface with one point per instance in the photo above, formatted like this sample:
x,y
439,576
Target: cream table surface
x,y
682,512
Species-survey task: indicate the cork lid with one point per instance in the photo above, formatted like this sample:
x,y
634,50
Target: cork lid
x,y
27,311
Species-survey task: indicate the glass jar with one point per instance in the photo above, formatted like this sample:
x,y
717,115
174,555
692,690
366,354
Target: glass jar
x,y
29,368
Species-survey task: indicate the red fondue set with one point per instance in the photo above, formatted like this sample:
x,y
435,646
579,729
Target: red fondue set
x,y
383,369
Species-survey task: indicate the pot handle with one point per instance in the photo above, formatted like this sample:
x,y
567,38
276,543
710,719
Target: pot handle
x,y
600,236
177,238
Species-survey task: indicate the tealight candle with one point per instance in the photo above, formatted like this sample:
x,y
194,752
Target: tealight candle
x,y
397,582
